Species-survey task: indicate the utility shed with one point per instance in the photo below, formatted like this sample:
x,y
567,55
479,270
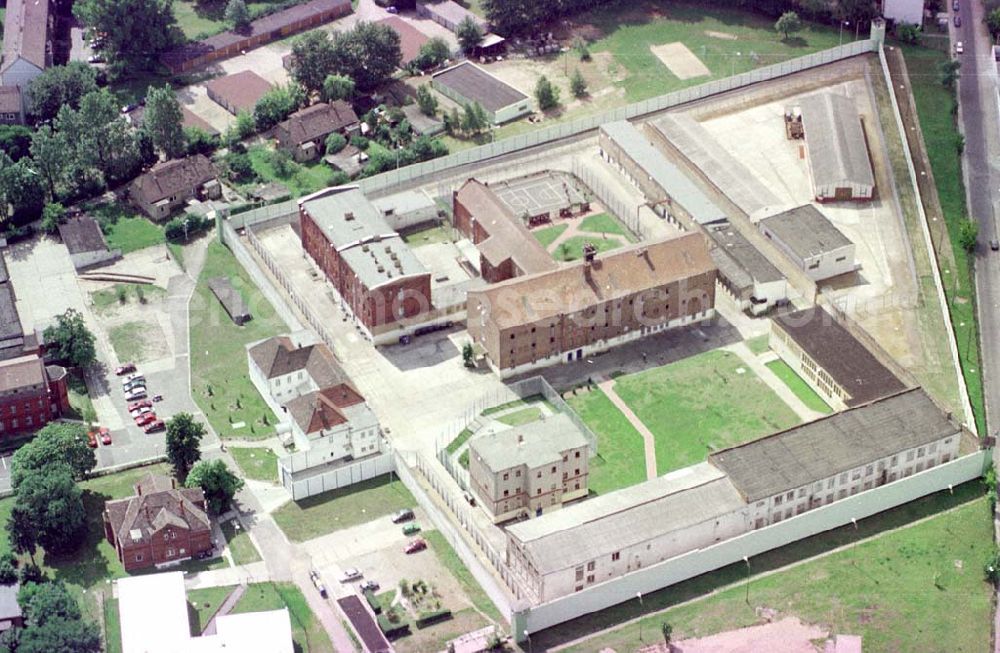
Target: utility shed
x,y
231,299
837,149
467,83
811,241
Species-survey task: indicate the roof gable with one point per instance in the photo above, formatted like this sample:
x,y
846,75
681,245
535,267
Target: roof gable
x,y
170,178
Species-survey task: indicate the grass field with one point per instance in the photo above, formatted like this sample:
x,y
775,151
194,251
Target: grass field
x,y
620,460
258,463
198,19
240,545
343,508
701,404
307,632
905,590
447,557
547,235
941,137
128,341
521,417
758,345
604,223
301,179
436,234
125,294
571,249
80,402
798,385
203,603
112,626
131,234
222,386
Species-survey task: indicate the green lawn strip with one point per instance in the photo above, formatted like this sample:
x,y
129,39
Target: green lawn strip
x,y
258,463
547,235
343,508
701,404
527,401
459,440
436,234
177,252
604,223
463,459
112,626
797,385
447,557
621,459
200,19
80,402
941,137
521,417
222,386
127,340
125,294
571,249
240,545
133,233
759,344
203,604
307,632
919,584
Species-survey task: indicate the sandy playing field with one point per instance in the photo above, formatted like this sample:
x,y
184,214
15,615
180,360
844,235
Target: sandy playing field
x,y
682,62
786,636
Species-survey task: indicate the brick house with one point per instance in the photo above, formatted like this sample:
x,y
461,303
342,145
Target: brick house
x,y
168,186
161,524
31,394
11,106
305,132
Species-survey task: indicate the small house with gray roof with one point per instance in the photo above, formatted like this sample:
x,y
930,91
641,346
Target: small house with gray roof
x,y
467,83
160,525
529,470
810,241
744,271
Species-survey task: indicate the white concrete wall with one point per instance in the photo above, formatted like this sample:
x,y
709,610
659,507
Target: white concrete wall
x,y
337,477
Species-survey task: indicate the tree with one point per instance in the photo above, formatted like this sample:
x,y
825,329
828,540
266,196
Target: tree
x,y
52,217
312,59
183,443
992,566
668,633
218,483
162,121
907,32
8,569
948,72
337,87
239,167
469,34
52,503
335,142
788,24
15,141
368,54
237,15
277,104
467,354
578,84
426,101
546,94
22,533
199,141
474,118
511,17
70,340
993,22
136,31
21,188
60,636
60,86
57,443
43,601
968,233
432,53
47,158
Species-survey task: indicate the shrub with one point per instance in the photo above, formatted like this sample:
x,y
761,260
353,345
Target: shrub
x,y
431,618
372,602
335,142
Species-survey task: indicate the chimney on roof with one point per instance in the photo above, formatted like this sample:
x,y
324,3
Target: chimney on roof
x,y
520,439
349,216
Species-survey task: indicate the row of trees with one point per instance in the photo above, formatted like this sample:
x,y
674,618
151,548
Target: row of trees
x,y
368,54
53,622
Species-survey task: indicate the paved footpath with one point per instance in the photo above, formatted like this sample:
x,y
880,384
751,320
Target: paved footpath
x,y
648,439
779,387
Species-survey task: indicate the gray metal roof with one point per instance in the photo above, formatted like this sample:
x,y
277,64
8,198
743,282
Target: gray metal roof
x,y
361,236
476,85
9,607
806,231
611,522
499,446
404,202
838,443
835,142
724,170
743,253
666,175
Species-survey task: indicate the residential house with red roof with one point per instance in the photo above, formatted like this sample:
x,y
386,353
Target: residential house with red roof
x,y
169,185
304,133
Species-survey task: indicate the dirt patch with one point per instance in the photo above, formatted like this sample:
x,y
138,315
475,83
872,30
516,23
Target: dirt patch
x,y
683,63
726,36
786,636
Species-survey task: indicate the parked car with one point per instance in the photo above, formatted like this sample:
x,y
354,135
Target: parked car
x,y
129,108
145,418
402,515
92,440
958,21
158,425
411,528
105,435
954,5
471,500
138,393
125,368
369,585
350,574
959,48
142,403
415,545
157,397
133,385
132,378
138,412
995,245
95,58
318,582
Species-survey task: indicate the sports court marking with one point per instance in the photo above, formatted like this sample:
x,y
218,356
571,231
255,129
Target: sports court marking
x,y
683,63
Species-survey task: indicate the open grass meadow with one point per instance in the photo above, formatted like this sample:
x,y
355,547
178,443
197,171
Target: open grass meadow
x,y
301,179
342,508
908,579
798,385
257,463
605,223
620,460
701,404
220,378
547,235
240,545
307,632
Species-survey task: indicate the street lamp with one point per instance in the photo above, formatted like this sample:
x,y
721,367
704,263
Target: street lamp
x,y
639,596
732,64
842,23
528,637
747,560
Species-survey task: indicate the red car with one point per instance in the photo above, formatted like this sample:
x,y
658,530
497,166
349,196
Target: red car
x,y
124,369
158,425
92,440
105,435
145,418
142,403
415,545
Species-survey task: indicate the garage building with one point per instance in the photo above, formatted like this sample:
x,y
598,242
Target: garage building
x,y
837,150
811,241
238,92
467,83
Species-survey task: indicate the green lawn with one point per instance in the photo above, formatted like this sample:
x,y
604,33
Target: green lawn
x,y
437,234
131,234
343,508
79,399
907,590
700,404
221,381
937,122
301,179
240,545
521,417
198,19
547,235
604,223
203,604
128,341
620,460
527,401
571,249
125,294
798,385
112,626
307,632
258,463
759,344
459,440
450,560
